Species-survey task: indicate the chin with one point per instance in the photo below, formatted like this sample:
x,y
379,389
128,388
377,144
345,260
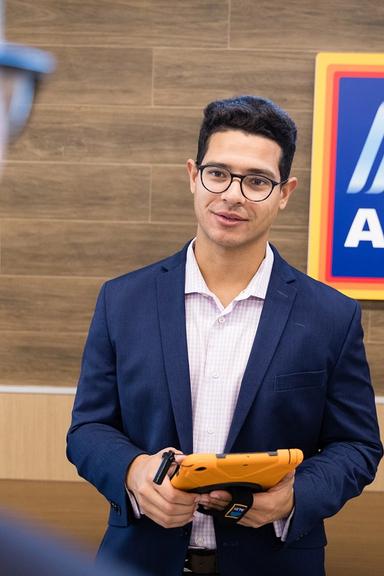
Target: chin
x,y
226,241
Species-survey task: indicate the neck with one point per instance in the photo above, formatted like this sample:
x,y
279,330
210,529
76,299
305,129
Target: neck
x,y
227,272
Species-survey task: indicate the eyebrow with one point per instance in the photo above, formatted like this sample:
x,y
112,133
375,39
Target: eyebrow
x,y
261,171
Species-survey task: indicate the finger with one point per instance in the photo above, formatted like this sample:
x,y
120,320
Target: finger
x,y
167,520
287,481
287,478
153,504
170,449
249,523
178,460
208,502
215,506
221,495
167,513
175,496
165,493
179,457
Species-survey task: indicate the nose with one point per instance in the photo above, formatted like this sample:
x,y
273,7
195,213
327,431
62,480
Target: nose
x,y
234,193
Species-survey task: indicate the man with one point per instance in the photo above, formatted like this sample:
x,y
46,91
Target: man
x,y
224,347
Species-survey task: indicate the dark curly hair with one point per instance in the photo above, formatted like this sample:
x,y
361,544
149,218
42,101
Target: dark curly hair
x,y
252,115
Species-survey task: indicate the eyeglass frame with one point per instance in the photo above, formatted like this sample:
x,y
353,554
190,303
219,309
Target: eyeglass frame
x,y
32,64
240,177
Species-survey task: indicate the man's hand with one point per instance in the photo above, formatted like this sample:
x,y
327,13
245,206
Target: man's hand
x,y
274,504
163,503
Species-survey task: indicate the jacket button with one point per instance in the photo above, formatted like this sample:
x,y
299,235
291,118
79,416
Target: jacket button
x,y
115,507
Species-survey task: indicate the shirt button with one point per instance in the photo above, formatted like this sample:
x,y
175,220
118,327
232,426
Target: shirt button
x,y
221,320
215,376
210,431
200,541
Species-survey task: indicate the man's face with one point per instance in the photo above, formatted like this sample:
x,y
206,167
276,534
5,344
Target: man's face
x,y
228,219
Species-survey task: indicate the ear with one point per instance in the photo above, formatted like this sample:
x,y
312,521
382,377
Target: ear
x,y
193,173
286,191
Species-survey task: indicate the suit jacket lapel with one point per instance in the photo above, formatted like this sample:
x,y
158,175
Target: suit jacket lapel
x,y
277,306
171,306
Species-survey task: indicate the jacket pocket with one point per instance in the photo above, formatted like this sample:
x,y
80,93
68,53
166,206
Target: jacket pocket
x,y
298,380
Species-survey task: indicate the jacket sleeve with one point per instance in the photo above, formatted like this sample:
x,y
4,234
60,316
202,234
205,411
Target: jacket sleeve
x,y
96,443
350,447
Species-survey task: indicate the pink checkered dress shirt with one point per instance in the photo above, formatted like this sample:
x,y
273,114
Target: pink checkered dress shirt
x,y
219,344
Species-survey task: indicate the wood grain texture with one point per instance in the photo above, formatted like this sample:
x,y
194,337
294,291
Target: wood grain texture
x,y
84,249
195,77
47,304
65,248
33,432
75,192
307,26
171,199
98,75
365,321
106,134
40,358
127,135
374,311
123,22
291,243
303,121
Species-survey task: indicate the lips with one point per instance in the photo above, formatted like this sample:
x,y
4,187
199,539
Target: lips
x,y
230,216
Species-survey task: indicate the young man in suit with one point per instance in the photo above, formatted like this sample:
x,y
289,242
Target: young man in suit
x,y
224,347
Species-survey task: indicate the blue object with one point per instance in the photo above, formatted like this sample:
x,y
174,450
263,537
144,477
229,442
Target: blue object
x,y
26,58
22,69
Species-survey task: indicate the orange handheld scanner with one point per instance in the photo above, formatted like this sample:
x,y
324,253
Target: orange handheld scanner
x,y
257,471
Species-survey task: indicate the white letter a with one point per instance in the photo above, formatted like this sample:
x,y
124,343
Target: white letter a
x,y
373,233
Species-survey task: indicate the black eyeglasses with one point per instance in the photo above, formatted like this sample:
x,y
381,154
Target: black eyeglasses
x,y
254,187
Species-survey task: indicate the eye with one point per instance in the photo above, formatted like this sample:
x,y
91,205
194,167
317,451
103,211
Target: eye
x,y
256,181
215,172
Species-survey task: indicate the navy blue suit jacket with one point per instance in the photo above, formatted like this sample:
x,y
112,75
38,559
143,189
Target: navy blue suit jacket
x,y
306,385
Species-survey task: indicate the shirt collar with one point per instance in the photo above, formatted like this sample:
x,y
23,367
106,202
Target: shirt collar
x,y
257,287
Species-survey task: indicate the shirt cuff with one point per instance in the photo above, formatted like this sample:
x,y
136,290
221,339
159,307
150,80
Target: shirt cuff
x,y
134,503
282,526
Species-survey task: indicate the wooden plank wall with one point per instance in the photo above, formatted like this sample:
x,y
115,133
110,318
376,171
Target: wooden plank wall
x,y
97,185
